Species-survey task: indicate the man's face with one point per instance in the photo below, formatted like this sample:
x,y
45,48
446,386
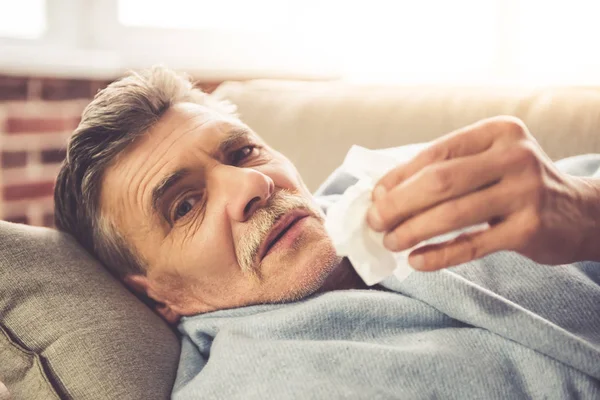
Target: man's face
x,y
221,219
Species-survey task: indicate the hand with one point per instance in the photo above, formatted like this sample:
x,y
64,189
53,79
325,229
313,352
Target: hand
x,y
493,171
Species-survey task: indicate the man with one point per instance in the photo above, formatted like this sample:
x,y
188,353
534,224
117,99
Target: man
x,y
193,210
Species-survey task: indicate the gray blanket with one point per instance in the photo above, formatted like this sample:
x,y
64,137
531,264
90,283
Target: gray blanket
x,y
498,328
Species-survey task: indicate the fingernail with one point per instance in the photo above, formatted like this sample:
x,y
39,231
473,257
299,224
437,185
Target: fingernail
x,y
417,262
390,242
374,219
378,192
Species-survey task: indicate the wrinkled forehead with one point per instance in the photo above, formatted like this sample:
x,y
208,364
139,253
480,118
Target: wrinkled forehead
x,y
188,121
183,129
181,125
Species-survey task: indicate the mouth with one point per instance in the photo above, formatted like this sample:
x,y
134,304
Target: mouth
x,y
279,229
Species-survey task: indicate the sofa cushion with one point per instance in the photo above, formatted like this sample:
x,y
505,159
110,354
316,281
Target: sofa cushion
x,y
315,123
70,330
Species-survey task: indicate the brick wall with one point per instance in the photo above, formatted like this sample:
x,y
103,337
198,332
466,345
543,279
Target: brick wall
x,y
37,115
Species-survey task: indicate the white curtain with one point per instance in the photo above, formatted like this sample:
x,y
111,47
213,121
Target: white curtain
x,y
418,41
414,42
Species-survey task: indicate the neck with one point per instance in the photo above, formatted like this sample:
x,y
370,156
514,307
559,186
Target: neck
x,y
343,277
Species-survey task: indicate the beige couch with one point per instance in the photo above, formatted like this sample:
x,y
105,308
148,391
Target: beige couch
x,y
69,330
314,124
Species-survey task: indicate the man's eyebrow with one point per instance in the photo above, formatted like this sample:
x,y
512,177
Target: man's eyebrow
x,y
233,138
164,185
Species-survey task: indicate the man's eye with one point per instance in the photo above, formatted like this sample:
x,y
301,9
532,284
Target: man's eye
x,y
241,154
184,207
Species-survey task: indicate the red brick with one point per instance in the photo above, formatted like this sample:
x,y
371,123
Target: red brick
x,y
34,89
21,219
66,89
53,156
13,88
28,191
96,86
13,159
40,125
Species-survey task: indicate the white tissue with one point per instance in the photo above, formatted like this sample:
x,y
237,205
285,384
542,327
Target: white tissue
x,y
346,219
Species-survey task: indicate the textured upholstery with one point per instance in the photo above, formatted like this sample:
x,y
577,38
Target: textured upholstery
x,y
314,124
69,330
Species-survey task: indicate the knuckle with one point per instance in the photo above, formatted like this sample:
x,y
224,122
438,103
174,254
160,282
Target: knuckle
x,y
391,178
444,257
469,248
464,248
452,213
474,250
439,180
511,128
434,154
526,156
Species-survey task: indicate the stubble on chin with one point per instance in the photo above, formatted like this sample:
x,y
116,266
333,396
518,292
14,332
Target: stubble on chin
x,y
310,264
305,278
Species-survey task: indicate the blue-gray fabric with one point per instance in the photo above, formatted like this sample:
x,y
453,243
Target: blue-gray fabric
x,y
497,328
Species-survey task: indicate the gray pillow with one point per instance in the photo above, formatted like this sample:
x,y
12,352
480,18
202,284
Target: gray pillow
x,y
69,330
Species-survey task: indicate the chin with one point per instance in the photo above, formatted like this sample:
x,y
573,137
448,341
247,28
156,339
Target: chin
x,y
304,268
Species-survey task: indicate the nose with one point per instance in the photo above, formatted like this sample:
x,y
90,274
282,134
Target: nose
x,y
246,190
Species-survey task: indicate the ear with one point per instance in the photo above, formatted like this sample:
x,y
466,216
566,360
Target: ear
x,y
142,285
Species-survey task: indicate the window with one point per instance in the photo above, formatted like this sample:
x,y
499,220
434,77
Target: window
x,y
205,14
557,41
400,41
23,19
216,39
426,41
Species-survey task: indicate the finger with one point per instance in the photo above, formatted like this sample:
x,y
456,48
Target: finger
x,y
434,185
466,247
472,139
490,204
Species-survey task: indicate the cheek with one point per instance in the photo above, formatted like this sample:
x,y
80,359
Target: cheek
x,y
200,254
285,176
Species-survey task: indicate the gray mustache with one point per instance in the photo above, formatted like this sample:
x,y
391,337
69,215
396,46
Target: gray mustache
x,y
260,224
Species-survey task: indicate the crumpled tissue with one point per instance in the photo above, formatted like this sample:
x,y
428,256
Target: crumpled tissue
x,y
346,221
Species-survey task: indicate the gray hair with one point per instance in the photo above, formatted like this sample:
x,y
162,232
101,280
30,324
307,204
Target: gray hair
x,y
118,114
